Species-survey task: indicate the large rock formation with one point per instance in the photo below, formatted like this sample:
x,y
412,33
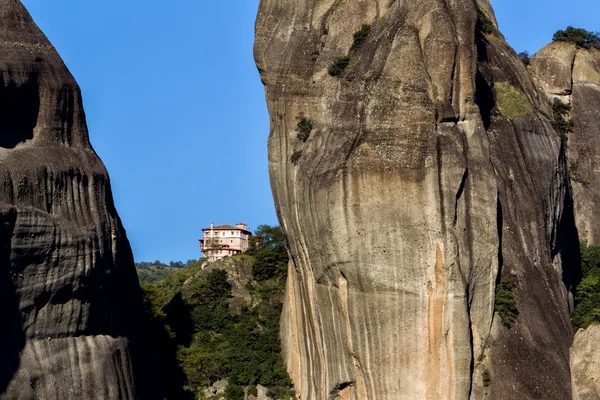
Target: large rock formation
x,y
585,364
432,171
69,300
572,74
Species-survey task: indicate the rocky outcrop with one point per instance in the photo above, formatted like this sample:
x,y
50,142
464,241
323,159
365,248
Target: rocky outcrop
x,y
431,170
585,364
69,298
572,74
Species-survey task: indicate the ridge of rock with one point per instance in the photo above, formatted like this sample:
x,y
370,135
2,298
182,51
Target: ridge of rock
x,y
73,325
431,172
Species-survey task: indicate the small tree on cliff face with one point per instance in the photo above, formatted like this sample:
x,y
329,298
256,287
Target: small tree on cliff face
x,y
579,36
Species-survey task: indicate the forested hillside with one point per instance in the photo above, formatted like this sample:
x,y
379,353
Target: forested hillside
x,y
152,272
222,322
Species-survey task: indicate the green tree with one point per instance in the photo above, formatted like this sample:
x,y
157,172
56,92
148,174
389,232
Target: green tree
x,y
579,36
587,296
524,56
268,247
505,304
222,342
207,296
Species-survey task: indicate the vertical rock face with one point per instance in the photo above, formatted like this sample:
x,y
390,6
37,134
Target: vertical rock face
x,y
69,299
431,171
572,75
585,364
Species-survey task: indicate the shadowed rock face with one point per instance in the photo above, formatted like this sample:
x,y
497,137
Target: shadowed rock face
x,y
572,74
432,170
69,298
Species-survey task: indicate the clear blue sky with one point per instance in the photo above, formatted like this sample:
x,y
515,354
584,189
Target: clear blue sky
x,y
176,109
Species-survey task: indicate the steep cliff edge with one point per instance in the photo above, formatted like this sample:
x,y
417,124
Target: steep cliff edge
x,y
572,74
69,298
414,166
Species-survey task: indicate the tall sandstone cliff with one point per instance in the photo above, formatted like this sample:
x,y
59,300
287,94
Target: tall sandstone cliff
x,y
70,304
572,75
432,170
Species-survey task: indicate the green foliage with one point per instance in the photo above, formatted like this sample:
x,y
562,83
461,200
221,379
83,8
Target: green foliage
x,y
587,297
524,56
338,65
511,101
305,127
234,392
279,392
252,390
487,378
505,304
152,272
159,295
561,119
485,25
207,296
200,338
559,108
152,276
579,36
159,299
360,37
296,156
270,252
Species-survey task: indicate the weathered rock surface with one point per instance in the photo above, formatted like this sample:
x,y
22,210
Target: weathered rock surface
x,y
432,169
572,74
585,364
72,325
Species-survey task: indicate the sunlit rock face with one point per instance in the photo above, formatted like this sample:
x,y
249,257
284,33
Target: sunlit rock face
x,y
585,364
432,169
70,304
572,74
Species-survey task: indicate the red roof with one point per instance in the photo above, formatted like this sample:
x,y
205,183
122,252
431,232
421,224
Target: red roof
x,y
225,228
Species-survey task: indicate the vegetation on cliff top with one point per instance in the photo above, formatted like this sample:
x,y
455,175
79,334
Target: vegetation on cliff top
x,y
202,338
152,272
579,36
